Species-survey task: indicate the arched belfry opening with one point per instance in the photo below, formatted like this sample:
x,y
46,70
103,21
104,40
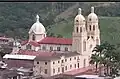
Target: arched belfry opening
x,y
33,37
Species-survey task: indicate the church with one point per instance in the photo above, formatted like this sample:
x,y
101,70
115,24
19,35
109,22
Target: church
x,y
51,55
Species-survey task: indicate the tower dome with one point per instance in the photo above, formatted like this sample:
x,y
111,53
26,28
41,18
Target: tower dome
x,y
37,27
79,18
92,17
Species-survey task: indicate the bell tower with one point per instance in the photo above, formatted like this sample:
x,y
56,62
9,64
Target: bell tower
x,y
79,34
93,27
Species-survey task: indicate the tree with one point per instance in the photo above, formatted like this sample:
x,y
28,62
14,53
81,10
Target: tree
x,y
95,60
99,50
5,49
107,55
100,53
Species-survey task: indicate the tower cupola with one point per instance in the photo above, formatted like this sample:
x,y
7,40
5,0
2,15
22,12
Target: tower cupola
x,y
79,19
37,27
92,17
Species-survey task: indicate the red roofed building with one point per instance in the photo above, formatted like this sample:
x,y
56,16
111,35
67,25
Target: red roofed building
x,y
49,43
56,41
5,40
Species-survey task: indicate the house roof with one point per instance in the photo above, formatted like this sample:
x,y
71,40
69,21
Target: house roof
x,y
21,69
30,42
54,40
16,56
50,40
4,38
47,55
34,43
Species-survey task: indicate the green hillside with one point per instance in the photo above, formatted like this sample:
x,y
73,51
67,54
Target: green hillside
x,y
109,27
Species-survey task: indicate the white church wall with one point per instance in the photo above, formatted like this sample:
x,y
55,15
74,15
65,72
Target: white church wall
x,y
62,47
90,46
32,47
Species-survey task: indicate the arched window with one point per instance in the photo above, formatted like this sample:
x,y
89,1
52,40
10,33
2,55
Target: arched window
x,y
76,20
58,48
53,70
84,46
70,66
93,27
33,37
66,49
88,37
90,19
90,27
77,29
80,29
92,37
39,47
78,65
51,48
84,63
44,48
65,67
28,46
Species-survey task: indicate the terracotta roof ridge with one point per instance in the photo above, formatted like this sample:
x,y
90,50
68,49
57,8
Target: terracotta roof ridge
x,y
58,37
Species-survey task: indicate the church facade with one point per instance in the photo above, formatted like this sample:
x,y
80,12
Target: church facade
x,y
61,55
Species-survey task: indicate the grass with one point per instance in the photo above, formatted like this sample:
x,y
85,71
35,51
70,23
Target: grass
x,y
109,28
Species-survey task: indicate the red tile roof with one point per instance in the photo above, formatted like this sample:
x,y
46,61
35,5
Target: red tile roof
x,y
47,55
30,42
24,42
34,43
54,40
50,40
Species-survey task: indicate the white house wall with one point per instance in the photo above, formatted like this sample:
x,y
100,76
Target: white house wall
x,y
40,68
